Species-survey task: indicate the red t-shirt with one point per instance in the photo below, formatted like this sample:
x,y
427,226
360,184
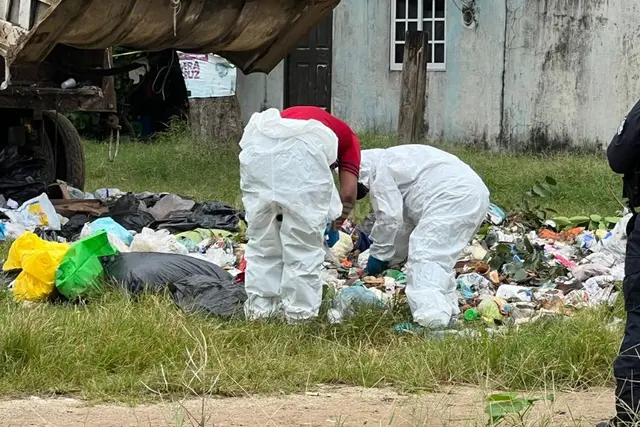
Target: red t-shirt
x,y
348,142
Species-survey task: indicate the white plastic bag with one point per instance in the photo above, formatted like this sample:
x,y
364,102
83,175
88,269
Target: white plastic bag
x,y
37,212
157,241
343,246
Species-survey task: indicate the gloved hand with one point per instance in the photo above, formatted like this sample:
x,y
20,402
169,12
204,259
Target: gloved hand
x,y
375,266
333,236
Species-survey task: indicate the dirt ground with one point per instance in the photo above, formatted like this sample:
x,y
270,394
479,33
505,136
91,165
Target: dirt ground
x,y
330,406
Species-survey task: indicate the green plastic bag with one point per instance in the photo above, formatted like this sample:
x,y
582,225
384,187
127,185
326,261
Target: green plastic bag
x,y
81,271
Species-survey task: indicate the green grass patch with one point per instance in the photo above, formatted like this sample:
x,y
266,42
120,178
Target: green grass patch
x,y
119,349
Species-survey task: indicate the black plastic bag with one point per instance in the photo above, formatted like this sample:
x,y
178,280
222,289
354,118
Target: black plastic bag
x,y
210,215
152,271
72,229
217,215
21,175
209,295
126,212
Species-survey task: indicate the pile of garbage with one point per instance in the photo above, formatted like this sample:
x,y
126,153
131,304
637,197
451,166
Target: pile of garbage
x,y
508,275
68,244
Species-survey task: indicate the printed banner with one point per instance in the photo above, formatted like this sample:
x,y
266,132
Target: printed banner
x,y
207,75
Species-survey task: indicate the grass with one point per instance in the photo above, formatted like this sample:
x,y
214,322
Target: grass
x,y
118,349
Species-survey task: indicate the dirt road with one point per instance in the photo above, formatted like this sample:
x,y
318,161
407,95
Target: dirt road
x,y
330,406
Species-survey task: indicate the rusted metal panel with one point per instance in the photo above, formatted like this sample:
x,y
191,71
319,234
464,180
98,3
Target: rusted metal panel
x,y
29,98
253,34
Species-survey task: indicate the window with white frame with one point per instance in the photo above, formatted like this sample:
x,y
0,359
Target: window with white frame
x,y
425,15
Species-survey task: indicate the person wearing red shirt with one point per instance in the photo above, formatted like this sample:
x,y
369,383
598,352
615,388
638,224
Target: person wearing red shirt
x,y
348,163
290,201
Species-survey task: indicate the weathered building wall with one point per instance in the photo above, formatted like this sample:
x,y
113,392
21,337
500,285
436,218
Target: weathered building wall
x,y
572,71
532,74
464,100
259,91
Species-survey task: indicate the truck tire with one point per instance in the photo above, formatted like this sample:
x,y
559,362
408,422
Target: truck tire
x,y
43,151
67,145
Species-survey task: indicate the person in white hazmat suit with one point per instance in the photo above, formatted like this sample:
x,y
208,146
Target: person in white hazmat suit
x,y
289,196
428,205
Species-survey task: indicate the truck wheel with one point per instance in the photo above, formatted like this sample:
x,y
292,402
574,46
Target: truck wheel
x,y
43,151
67,146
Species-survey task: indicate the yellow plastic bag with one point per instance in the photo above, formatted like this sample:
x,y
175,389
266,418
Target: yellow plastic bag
x,y
39,260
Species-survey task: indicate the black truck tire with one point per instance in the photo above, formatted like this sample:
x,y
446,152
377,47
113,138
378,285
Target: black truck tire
x,y
67,147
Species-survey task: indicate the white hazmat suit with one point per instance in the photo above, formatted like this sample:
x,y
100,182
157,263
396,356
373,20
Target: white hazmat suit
x,y
428,205
289,196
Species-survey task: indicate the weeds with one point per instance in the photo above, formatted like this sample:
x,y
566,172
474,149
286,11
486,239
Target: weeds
x,y
116,349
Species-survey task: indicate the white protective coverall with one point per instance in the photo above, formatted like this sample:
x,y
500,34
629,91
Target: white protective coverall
x,y
285,170
428,205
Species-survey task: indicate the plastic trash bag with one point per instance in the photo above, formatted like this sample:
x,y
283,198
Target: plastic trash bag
x,y
209,295
127,212
38,260
80,271
110,226
21,174
37,212
217,215
140,271
168,204
344,302
157,241
343,246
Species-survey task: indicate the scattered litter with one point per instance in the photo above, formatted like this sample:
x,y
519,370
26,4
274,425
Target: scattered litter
x,y
38,259
344,302
157,241
37,212
80,271
111,227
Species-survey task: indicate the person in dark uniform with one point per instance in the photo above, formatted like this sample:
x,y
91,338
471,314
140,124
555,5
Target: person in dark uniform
x,y
624,158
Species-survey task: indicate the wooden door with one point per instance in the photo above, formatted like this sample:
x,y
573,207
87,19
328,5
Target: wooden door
x,y
308,69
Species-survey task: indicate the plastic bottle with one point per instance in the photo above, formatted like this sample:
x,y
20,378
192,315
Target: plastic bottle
x,y
471,315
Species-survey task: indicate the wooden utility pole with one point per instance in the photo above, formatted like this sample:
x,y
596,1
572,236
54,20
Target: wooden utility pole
x,y
414,87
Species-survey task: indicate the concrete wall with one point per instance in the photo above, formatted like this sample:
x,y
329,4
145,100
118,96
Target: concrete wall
x,y
258,91
572,71
532,74
463,101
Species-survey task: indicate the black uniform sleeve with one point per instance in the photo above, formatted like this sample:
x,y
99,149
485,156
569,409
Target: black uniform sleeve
x,y
623,150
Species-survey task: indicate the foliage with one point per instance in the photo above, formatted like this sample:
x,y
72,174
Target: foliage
x,y
590,222
530,212
502,404
522,262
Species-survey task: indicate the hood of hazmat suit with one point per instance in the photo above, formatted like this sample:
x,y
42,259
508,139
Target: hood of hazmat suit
x,y
428,205
289,196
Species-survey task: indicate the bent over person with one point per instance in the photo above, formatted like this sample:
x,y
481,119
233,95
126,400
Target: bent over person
x,y
289,197
428,205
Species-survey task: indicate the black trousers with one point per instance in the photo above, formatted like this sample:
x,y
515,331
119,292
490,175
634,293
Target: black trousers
x,y
626,367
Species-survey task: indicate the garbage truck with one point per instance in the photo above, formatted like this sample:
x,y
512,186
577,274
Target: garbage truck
x,y
57,58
